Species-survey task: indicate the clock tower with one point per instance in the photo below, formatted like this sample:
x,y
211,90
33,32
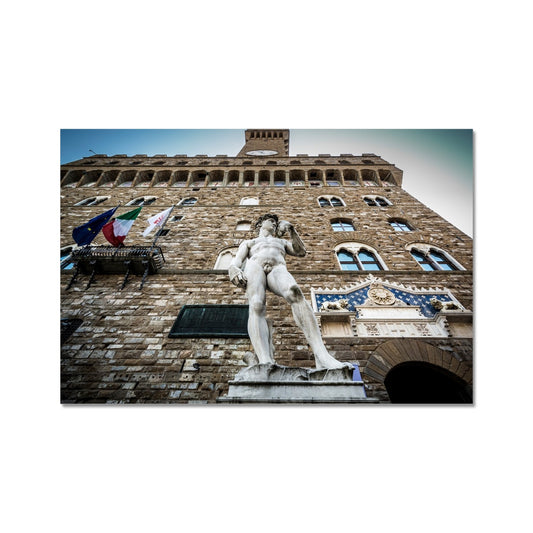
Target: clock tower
x,y
260,143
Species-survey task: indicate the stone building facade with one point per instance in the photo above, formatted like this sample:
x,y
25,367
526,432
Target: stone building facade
x,y
390,281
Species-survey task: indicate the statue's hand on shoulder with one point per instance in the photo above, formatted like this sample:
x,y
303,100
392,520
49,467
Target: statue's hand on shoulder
x,y
283,227
237,277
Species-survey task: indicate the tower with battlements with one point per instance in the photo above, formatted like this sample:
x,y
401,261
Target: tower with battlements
x,y
157,321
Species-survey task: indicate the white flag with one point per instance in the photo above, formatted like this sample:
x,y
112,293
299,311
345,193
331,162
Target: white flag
x,y
157,220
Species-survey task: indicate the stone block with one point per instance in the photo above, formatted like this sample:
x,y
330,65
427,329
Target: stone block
x,y
272,383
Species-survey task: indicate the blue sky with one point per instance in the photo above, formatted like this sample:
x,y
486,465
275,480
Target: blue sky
x,y
437,164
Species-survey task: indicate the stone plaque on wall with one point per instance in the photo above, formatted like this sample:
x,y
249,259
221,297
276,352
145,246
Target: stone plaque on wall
x,y
211,321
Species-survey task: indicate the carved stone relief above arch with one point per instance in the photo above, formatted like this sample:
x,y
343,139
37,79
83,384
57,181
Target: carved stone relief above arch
x,y
380,308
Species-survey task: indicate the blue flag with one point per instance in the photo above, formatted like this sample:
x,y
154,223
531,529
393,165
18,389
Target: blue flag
x,y
85,233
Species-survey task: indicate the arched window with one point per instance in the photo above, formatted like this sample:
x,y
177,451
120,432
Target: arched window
x,y
431,258
330,201
400,225
347,260
95,200
243,225
342,225
250,201
355,256
187,202
376,201
143,200
225,258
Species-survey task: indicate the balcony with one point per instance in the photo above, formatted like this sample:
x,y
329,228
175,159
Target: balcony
x,y
139,260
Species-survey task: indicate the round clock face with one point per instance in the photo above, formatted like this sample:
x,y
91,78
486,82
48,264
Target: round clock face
x,y
262,152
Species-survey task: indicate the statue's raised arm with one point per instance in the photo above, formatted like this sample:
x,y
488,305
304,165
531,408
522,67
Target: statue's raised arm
x,y
295,246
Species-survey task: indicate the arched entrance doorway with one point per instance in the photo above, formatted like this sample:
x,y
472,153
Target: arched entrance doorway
x,y
421,382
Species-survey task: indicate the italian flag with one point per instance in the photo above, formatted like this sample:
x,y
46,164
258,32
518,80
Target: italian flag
x,y
116,230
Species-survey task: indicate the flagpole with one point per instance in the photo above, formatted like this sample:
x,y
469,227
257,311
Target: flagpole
x,y
85,248
120,244
153,246
93,262
102,226
161,228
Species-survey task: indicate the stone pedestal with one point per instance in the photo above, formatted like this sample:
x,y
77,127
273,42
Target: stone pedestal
x,y
271,383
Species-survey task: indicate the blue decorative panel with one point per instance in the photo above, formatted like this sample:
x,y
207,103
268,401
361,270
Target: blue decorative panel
x,y
359,296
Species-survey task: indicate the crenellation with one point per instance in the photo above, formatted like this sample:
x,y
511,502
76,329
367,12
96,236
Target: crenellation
x,y
121,352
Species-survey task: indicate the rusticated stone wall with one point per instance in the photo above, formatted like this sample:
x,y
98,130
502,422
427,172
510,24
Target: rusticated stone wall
x,y
121,353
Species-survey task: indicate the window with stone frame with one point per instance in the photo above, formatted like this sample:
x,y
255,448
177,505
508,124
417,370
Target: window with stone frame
x,y
243,225
355,256
142,200
400,225
249,201
341,224
188,202
433,260
225,257
330,201
95,200
376,201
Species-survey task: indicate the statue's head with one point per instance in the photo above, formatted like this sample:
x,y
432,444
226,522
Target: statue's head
x,y
262,218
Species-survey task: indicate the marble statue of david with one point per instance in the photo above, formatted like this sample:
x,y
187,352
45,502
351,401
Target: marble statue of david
x,y
265,268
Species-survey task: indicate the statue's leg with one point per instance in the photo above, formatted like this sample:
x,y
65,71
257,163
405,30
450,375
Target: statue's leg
x,y
258,328
281,282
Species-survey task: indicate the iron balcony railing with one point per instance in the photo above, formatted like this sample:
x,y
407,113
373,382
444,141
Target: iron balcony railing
x,y
110,260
